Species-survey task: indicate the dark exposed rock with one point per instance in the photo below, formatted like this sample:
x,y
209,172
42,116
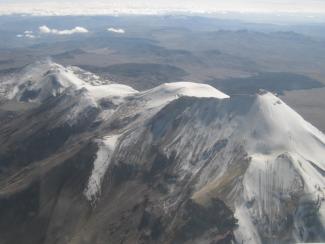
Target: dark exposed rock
x,y
195,220
29,95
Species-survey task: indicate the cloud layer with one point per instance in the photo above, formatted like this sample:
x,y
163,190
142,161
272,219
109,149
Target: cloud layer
x,y
86,7
46,30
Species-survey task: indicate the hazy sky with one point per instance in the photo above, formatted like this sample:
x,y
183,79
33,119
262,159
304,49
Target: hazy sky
x,y
315,6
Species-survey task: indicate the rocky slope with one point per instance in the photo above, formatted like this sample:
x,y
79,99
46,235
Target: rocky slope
x,y
89,161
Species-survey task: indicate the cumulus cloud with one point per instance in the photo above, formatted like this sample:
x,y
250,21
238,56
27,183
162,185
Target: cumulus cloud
x,y
120,31
46,30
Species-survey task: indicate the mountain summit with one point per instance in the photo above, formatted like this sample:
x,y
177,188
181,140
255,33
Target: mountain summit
x,y
83,160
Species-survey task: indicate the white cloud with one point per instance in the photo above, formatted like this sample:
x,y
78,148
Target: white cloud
x,y
30,36
46,30
27,34
120,31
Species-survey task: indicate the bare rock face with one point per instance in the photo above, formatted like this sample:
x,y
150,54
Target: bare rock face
x,y
84,161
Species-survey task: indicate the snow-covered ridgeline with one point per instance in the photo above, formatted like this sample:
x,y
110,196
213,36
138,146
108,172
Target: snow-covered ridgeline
x,y
46,78
168,92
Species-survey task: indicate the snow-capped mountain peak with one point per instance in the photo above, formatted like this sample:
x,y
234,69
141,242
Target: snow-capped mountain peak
x,y
287,162
38,81
170,154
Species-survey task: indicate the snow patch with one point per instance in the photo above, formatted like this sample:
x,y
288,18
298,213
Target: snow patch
x,y
246,233
103,158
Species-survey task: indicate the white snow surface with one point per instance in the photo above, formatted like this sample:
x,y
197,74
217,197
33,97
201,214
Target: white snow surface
x,y
167,92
